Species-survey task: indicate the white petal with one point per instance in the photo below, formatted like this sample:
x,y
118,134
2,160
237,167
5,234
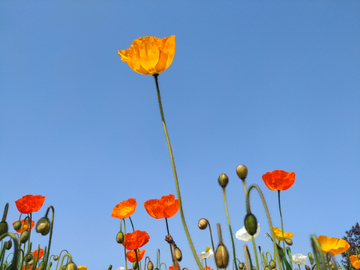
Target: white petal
x,y
201,255
243,235
209,254
299,258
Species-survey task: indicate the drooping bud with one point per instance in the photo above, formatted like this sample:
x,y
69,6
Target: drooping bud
x,y
178,254
221,256
202,224
307,267
267,268
43,226
250,224
63,267
8,244
17,225
241,265
272,264
71,266
24,236
169,239
42,266
242,171
288,241
135,265
310,255
56,258
150,265
223,180
3,227
28,258
120,237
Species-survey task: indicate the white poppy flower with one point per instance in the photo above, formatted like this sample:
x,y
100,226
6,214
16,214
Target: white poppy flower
x,y
299,259
120,268
243,235
206,254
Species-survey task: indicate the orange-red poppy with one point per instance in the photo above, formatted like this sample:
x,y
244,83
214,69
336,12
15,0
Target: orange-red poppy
x,y
279,179
24,224
130,255
28,268
149,55
41,253
333,245
136,239
166,207
30,203
124,209
355,261
207,268
177,267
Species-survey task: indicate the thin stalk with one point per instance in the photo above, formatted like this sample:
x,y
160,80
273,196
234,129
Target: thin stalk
x,y
123,220
175,174
46,257
256,257
282,226
171,250
132,224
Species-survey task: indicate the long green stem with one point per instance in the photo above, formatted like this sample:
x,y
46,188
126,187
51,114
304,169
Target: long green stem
x,y
175,174
168,232
212,241
256,257
282,226
46,257
125,244
231,233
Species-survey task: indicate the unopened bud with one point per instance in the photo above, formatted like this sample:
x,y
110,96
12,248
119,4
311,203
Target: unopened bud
x,y
241,265
267,268
223,180
169,239
8,244
202,224
3,227
120,237
56,258
333,267
310,255
24,236
272,264
221,256
307,267
63,267
17,225
42,266
71,266
250,224
288,241
150,265
28,258
135,265
43,226
178,254
242,171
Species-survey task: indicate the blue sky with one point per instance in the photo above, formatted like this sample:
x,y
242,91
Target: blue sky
x,y
269,84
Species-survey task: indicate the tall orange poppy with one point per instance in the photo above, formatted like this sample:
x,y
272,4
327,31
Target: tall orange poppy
x,y
130,255
177,267
136,239
24,224
279,179
355,261
333,245
30,203
41,253
124,209
166,207
149,55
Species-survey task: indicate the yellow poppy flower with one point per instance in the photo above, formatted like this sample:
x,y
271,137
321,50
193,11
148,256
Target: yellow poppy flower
x,y
149,55
333,245
278,234
82,267
355,261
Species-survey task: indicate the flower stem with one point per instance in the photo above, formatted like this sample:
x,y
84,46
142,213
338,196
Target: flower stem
x,y
212,242
231,234
123,220
256,257
171,250
282,226
175,174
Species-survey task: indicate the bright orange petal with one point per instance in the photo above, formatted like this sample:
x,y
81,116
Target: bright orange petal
x,y
30,203
278,234
25,225
279,180
130,255
154,208
136,239
41,253
333,245
170,205
124,209
355,261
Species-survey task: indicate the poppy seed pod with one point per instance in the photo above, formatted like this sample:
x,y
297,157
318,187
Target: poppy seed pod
x,y
178,254
43,226
250,224
24,236
56,258
120,237
17,225
221,256
288,241
223,180
3,227
242,171
272,264
8,244
71,266
202,224
150,265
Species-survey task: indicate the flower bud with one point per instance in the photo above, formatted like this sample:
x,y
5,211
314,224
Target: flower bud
x,y
24,236
250,224
272,264
288,241
242,171
120,237
223,180
178,254
221,256
310,255
43,226
42,266
202,224
8,244
3,227
28,258
307,267
241,265
135,265
63,267
56,258
333,267
17,225
150,265
267,268
71,266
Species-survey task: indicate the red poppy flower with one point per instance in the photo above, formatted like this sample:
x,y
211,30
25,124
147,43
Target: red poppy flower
x,y
124,209
30,203
25,225
41,253
166,207
130,255
279,180
207,268
177,267
136,239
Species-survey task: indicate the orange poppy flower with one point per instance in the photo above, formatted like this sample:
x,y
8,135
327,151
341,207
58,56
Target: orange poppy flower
x,y
166,207
25,225
136,239
207,268
149,55
124,209
333,245
278,234
130,255
28,268
279,180
355,261
41,253
177,267
30,203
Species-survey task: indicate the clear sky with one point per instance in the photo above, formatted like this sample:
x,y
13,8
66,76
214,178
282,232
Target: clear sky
x,y
269,84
